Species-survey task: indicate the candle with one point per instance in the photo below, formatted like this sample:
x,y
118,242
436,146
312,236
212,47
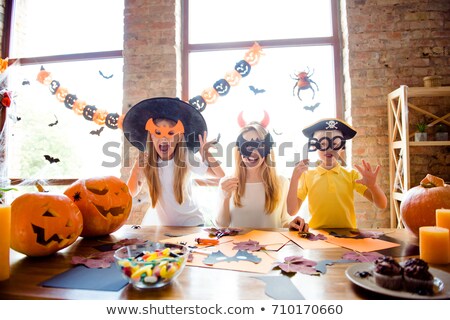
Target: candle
x,y
5,232
443,220
434,245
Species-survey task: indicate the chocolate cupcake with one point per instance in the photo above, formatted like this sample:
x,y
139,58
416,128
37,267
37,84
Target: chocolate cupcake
x,y
388,273
417,277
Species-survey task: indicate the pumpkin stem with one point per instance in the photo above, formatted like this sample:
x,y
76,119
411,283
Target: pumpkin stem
x,y
40,187
431,181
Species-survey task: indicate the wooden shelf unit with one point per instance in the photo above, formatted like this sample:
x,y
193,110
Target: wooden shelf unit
x,y
399,140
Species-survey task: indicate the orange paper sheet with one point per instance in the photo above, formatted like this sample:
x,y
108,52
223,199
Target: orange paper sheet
x,y
308,244
264,266
271,240
361,245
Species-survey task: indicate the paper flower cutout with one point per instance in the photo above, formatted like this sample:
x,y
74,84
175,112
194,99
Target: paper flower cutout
x,y
249,245
362,256
294,264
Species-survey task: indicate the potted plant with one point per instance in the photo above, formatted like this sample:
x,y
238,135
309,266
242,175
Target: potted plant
x,y
441,132
421,135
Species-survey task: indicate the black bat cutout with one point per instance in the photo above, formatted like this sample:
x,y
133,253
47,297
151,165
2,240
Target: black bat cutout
x,y
51,159
54,123
97,132
256,90
25,82
312,108
106,77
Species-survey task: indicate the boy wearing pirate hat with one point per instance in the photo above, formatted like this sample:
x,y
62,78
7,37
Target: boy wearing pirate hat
x,y
330,187
169,132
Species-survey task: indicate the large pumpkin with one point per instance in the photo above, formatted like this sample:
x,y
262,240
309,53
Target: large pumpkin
x,y
44,223
419,205
105,203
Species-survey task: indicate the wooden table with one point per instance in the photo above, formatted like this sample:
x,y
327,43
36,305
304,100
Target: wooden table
x,y
195,283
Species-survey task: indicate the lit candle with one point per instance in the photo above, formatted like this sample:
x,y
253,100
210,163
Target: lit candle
x,y
443,220
5,233
434,245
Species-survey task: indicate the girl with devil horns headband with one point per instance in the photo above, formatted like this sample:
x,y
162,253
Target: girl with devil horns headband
x,y
255,196
168,132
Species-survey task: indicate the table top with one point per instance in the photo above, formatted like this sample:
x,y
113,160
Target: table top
x,y
194,283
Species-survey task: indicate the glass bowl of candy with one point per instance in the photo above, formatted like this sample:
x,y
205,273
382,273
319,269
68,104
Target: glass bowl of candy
x,y
152,264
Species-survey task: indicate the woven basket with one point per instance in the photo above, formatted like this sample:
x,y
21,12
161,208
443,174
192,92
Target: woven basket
x,y
432,81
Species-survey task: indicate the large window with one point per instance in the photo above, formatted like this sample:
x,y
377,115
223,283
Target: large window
x,y
80,43
298,38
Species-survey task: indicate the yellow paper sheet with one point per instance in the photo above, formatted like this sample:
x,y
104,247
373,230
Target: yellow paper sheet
x,y
271,240
308,244
264,266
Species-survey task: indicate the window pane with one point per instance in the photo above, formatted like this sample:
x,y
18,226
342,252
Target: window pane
x,y
40,125
274,74
54,27
253,20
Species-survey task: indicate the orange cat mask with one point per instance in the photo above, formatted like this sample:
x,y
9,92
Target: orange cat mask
x,y
164,132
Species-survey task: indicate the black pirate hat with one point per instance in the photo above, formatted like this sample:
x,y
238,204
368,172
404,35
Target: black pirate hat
x,y
330,124
173,109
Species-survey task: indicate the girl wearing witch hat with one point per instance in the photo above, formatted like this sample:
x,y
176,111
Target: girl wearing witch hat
x,y
255,196
329,186
169,132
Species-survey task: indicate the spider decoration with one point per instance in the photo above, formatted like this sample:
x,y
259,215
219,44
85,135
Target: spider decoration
x,y
303,82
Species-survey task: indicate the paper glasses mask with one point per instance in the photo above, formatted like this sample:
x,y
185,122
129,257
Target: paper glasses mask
x,y
325,143
164,132
246,147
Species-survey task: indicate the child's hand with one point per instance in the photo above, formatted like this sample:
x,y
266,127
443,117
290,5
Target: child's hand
x,y
299,224
228,186
299,168
369,176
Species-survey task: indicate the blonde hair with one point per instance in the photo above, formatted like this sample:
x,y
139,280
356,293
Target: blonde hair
x,y
180,170
272,188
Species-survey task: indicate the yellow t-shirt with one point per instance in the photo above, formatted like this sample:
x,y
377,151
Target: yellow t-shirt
x,y
330,196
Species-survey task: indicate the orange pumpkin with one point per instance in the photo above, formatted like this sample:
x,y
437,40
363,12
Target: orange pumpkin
x,y
43,223
419,205
105,203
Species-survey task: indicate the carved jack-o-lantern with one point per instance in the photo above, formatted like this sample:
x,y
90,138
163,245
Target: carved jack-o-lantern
x,y
222,87
210,95
44,223
89,112
70,100
198,103
252,56
243,67
105,203
78,106
53,87
100,117
112,120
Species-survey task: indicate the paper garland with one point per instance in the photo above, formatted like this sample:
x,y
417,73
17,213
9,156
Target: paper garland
x,y
113,120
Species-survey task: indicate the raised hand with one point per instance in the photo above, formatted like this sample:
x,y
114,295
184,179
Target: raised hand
x,y
368,176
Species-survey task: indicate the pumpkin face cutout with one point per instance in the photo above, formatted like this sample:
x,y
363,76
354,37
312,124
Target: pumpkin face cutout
x,y
89,112
105,203
198,103
70,100
44,223
112,120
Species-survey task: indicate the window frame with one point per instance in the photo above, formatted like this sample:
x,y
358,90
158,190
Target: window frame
x,y
334,41
6,43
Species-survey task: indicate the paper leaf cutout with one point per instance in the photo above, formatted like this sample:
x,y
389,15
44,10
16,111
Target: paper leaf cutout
x,y
249,245
356,234
311,236
127,242
91,263
297,264
362,256
370,234
222,232
241,255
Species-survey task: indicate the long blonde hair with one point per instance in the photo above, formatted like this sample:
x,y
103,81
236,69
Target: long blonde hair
x,y
180,170
272,188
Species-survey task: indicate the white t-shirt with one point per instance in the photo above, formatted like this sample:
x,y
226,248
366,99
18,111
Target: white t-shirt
x,y
252,213
169,211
